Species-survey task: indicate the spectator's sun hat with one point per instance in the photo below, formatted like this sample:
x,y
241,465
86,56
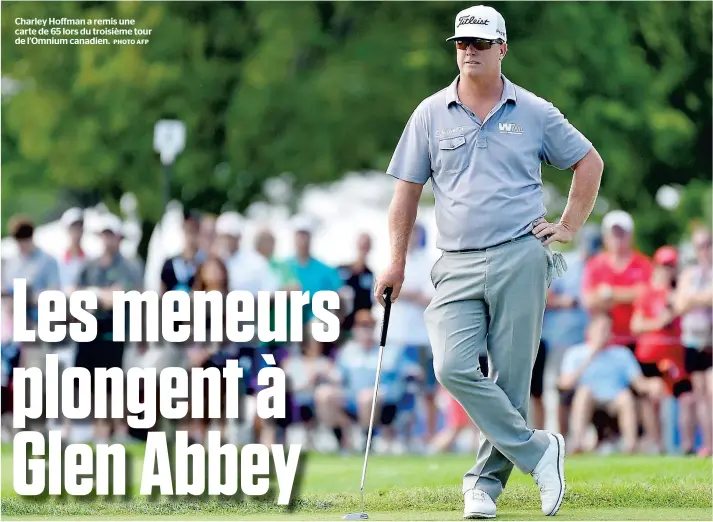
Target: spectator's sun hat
x,y
666,255
229,224
618,219
72,216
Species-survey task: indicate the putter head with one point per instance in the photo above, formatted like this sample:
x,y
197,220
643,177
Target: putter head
x,y
356,516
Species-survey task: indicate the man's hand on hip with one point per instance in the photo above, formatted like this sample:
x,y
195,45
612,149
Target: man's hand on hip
x,y
392,277
552,231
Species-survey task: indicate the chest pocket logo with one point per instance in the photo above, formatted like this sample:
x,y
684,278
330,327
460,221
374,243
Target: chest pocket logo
x,y
453,157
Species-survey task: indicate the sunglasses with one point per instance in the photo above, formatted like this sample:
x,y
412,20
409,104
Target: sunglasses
x,y
479,43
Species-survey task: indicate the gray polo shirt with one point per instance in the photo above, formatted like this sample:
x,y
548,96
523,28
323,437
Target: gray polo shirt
x,y
486,176
120,272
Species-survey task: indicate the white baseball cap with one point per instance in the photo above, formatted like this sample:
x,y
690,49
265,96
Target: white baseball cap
x,y
480,21
303,224
111,223
618,218
229,224
72,216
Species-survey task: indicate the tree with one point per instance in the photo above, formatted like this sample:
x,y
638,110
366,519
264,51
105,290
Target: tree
x,y
320,89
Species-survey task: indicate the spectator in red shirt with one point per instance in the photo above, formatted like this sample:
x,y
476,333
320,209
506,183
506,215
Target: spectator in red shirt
x,y
614,278
659,349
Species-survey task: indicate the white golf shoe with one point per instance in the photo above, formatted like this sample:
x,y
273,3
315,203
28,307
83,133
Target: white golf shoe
x,y
549,475
478,504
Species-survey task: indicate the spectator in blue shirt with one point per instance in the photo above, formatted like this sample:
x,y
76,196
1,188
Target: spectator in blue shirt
x,y
357,362
602,376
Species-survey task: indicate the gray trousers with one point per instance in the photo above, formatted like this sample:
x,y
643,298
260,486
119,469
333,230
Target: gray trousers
x,y
492,299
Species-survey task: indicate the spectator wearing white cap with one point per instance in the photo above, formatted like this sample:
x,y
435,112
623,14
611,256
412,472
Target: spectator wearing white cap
x,y
70,266
104,275
247,270
614,278
74,257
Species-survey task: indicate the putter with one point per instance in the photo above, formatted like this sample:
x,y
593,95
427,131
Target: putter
x,y
384,328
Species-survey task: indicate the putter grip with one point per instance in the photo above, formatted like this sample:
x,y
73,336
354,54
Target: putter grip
x,y
387,313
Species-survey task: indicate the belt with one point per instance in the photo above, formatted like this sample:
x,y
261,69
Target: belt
x,y
465,250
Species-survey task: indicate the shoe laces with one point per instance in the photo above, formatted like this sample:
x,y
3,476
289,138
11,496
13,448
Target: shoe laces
x,y
540,485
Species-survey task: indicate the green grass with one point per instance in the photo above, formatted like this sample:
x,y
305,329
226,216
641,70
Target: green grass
x,y
419,488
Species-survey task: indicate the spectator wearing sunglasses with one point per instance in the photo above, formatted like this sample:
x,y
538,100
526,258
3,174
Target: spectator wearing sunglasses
x,y
481,141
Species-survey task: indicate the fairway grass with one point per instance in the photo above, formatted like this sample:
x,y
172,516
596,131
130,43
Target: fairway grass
x,y
418,488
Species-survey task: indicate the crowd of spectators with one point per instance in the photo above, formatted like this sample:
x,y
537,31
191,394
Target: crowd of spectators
x,y
622,333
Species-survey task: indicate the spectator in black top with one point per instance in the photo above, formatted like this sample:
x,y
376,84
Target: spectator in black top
x,y
104,275
179,272
360,279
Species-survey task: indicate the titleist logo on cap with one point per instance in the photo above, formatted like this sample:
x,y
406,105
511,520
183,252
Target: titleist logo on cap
x,y
467,20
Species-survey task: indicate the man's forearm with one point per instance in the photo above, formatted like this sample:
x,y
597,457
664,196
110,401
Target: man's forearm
x,y
583,192
567,382
625,295
688,301
558,301
570,380
646,324
402,216
703,298
641,385
594,303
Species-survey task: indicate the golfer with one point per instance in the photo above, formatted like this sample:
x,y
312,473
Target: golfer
x,y
481,141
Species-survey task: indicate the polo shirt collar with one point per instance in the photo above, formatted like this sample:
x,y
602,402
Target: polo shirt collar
x,y
508,91
68,255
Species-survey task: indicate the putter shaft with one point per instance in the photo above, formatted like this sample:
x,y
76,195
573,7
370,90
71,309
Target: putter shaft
x,y
384,328
371,422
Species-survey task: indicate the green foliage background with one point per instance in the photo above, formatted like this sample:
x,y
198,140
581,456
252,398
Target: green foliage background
x,y
321,88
